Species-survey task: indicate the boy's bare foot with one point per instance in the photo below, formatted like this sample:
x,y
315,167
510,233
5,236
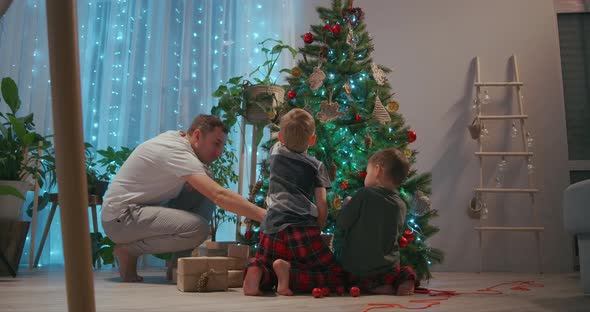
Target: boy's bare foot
x,y
127,265
383,290
406,288
281,268
252,281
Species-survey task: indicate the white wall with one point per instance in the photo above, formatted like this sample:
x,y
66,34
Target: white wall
x,y
431,44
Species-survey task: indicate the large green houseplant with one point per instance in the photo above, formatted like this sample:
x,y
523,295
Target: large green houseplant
x,y
20,160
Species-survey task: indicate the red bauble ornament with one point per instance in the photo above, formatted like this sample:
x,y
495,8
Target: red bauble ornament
x,y
327,27
248,235
344,185
340,290
409,235
355,291
325,291
308,38
357,117
336,29
362,174
411,136
291,94
403,242
317,292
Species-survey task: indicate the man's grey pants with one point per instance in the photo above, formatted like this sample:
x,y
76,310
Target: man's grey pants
x,y
157,229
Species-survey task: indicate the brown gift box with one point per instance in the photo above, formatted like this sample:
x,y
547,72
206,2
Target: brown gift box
x,y
235,278
238,251
190,270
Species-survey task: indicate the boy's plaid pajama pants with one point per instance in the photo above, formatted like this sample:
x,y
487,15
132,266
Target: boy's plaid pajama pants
x,y
312,262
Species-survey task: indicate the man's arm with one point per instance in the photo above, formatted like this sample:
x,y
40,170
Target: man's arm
x,y
322,203
224,198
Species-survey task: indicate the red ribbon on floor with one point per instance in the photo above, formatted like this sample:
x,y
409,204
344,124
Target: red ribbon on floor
x,y
443,295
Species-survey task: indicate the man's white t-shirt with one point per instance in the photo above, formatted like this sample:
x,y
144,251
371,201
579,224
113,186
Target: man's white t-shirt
x,y
152,175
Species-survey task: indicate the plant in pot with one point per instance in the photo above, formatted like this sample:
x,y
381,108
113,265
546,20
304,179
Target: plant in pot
x,y
20,169
259,101
20,161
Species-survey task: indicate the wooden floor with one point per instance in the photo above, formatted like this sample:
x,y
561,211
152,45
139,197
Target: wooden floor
x,y
45,291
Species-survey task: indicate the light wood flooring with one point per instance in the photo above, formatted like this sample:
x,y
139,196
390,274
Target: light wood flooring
x,y
44,290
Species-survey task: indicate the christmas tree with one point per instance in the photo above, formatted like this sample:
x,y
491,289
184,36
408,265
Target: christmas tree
x,y
356,115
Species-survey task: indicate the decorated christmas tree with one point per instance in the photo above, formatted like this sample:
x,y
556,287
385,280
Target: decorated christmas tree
x,y
356,115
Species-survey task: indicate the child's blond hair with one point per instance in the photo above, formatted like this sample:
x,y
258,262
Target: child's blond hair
x,y
297,128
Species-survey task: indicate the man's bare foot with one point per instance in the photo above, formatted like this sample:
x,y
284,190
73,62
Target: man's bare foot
x,y
127,265
406,288
383,290
251,284
281,268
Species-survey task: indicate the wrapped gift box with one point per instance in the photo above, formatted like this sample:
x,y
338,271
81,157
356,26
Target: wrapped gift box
x,y
235,278
203,273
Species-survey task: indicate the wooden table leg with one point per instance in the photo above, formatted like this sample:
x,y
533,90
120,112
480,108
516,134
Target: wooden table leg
x,y
45,232
7,264
95,227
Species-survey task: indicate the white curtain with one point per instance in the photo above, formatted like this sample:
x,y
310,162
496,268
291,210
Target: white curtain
x,y
146,66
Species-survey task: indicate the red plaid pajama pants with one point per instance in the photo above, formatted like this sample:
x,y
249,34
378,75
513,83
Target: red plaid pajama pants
x,y
312,262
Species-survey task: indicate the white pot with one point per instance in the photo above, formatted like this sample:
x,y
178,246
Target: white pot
x,y
11,206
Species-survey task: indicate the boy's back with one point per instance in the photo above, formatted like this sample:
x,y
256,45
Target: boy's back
x,y
372,222
293,179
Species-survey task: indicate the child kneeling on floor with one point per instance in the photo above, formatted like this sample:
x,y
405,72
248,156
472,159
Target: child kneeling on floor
x,y
372,222
291,253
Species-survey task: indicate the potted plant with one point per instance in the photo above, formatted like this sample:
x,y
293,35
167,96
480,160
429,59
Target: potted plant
x,y
20,162
20,168
258,101
263,98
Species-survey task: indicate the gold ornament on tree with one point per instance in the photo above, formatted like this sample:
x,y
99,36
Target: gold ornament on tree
x,y
347,88
392,107
296,72
378,74
379,112
368,141
316,79
408,153
337,202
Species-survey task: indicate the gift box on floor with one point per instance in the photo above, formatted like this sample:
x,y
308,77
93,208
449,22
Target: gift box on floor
x,y
238,251
235,278
213,249
203,273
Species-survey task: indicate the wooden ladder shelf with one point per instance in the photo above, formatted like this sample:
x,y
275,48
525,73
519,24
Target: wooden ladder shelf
x,y
530,189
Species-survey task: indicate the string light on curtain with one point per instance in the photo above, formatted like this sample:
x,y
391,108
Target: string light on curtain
x,y
145,66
